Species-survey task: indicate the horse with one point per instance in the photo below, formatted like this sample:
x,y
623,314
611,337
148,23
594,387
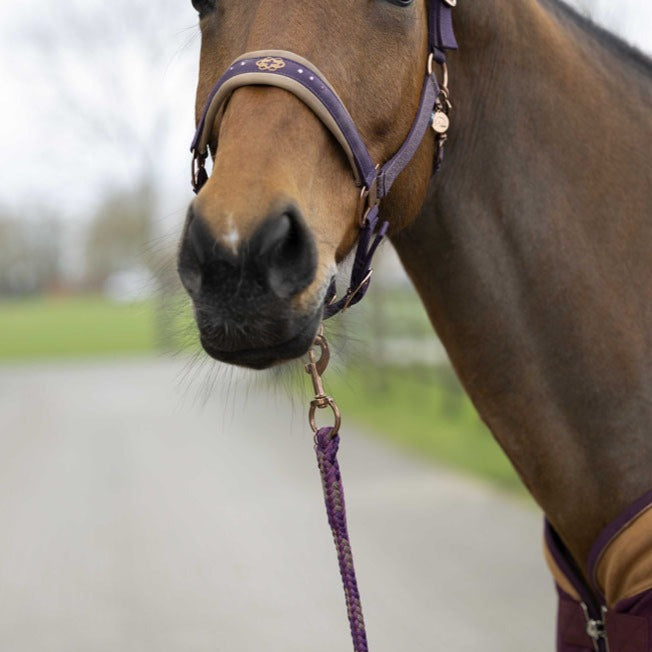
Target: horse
x,y
530,249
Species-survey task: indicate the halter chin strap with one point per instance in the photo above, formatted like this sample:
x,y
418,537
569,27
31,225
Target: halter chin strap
x,y
298,76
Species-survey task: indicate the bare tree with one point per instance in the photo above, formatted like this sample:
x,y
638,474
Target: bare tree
x,y
118,235
106,64
30,252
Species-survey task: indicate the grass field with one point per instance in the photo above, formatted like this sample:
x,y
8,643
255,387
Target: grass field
x,y
74,327
421,409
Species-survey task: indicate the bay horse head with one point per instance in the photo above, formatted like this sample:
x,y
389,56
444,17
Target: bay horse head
x,y
281,209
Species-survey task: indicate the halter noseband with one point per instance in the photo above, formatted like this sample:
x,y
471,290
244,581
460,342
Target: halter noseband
x,y
295,74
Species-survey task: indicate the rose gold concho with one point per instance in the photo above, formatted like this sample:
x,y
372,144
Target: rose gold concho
x,y
270,64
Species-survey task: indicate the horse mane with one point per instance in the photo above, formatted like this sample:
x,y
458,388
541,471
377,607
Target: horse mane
x,y
614,44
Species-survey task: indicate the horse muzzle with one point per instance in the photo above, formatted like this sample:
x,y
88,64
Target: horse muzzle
x,y
249,296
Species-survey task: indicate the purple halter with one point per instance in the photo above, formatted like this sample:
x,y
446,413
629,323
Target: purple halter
x,y
298,76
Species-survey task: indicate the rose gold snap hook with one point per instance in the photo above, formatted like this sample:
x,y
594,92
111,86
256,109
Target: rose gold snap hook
x,y
315,369
315,376
335,428
444,71
320,365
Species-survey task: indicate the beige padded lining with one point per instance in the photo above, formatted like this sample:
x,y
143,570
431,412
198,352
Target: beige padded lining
x,y
286,83
562,581
625,567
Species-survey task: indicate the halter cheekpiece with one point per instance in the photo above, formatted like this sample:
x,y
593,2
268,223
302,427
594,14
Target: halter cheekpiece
x,y
298,76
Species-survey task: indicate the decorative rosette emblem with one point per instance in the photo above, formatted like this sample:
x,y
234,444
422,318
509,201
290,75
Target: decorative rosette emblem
x,y
270,64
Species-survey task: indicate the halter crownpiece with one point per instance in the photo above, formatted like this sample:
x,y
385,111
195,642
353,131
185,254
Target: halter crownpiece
x,y
303,79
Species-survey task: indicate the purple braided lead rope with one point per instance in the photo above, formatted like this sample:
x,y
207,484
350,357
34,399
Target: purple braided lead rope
x,y
326,446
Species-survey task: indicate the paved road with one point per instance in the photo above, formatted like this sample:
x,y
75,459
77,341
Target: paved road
x,y
134,519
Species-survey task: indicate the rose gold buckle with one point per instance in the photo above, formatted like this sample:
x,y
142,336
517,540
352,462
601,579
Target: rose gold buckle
x,y
197,164
368,199
351,294
444,72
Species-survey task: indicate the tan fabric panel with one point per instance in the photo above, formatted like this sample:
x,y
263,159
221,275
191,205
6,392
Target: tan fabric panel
x,y
625,567
561,579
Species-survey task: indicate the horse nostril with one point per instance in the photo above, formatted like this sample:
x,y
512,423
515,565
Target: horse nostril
x,y
197,247
201,239
280,259
190,279
286,254
273,235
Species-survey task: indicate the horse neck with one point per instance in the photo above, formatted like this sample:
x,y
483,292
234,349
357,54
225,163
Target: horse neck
x,y
532,255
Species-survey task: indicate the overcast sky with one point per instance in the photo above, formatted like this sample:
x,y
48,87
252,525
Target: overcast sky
x,y
88,84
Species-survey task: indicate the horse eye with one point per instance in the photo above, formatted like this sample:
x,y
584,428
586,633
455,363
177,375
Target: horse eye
x,y
203,7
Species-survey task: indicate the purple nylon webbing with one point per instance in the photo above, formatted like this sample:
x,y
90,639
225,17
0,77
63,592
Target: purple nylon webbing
x,y
326,447
368,243
391,170
441,33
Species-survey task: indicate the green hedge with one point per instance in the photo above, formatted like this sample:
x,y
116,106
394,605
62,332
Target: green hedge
x,y
74,327
425,412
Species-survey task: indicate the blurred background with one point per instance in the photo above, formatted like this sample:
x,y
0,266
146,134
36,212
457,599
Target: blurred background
x,y
132,470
